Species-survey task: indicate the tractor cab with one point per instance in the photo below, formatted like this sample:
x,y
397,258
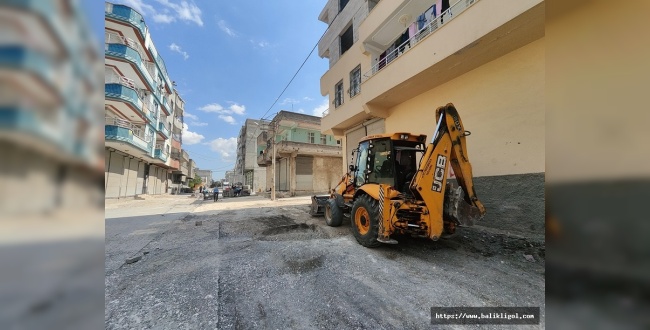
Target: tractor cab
x,y
391,159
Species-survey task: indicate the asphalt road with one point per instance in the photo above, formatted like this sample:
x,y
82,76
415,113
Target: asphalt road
x,y
248,263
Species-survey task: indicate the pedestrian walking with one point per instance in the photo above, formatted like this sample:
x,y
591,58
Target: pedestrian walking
x,y
216,194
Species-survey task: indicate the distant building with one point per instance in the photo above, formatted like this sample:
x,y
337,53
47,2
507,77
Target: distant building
x,y
205,175
307,161
230,176
141,109
178,156
251,173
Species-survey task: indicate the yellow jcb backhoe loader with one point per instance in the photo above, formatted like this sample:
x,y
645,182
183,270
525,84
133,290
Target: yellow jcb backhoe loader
x,y
398,185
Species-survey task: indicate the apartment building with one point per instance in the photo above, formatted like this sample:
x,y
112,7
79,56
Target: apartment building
x,y
140,108
392,63
50,108
252,173
179,157
307,160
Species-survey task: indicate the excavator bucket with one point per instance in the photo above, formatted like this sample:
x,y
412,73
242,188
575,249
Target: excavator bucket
x,y
318,205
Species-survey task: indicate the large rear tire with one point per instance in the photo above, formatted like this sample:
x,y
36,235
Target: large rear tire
x,y
333,213
365,221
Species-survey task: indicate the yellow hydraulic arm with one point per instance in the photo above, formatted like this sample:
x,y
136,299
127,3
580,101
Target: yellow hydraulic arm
x,y
447,147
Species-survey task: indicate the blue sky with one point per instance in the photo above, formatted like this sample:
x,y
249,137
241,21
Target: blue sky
x,y
230,61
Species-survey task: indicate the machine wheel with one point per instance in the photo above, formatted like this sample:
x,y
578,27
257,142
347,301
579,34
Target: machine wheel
x,y
333,213
365,221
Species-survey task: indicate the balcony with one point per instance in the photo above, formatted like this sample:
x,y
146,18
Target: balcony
x,y
125,132
39,67
464,37
128,15
160,153
129,51
122,93
162,130
263,159
18,120
185,155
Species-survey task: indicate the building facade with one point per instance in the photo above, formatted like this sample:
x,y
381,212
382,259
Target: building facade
x,y
205,175
392,63
179,157
139,109
50,108
251,172
307,161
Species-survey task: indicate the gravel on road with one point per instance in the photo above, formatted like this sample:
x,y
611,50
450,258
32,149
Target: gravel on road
x,y
255,263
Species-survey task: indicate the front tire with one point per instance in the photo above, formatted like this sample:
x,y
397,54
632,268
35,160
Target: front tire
x,y
365,221
333,213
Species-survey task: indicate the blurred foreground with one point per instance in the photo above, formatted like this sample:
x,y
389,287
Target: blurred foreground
x,y
51,196
598,164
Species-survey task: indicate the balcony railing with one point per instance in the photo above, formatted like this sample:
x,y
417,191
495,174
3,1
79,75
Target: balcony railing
x,y
161,153
163,129
122,92
420,35
126,131
127,14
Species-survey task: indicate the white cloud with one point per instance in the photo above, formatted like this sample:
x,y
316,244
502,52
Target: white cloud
x,y
237,108
307,98
300,111
183,10
234,108
200,124
318,111
139,6
178,49
228,119
225,147
224,27
163,18
289,100
190,116
191,137
260,43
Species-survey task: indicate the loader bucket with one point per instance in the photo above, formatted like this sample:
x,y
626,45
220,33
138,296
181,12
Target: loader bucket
x,y
318,205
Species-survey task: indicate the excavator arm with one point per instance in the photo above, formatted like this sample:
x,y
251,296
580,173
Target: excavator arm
x,y
447,148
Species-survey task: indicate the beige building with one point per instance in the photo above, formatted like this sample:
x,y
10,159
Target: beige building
x,y
306,160
392,63
247,171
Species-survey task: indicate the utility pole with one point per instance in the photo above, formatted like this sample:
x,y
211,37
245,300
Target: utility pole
x,y
273,164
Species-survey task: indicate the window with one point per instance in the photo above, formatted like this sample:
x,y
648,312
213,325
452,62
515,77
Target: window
x,y
346,40
323,139
338,94
312,137
355,81
342,4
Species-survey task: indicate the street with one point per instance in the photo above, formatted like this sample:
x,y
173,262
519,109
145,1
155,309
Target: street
x,y
248,262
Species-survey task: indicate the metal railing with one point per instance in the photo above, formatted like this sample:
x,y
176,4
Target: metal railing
x,y
112,38
420,35
137,130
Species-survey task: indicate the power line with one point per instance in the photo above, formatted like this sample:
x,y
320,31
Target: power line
x,y
300,68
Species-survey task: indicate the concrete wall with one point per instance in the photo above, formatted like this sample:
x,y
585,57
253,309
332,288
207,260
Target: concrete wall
x,y
327,173
501,103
